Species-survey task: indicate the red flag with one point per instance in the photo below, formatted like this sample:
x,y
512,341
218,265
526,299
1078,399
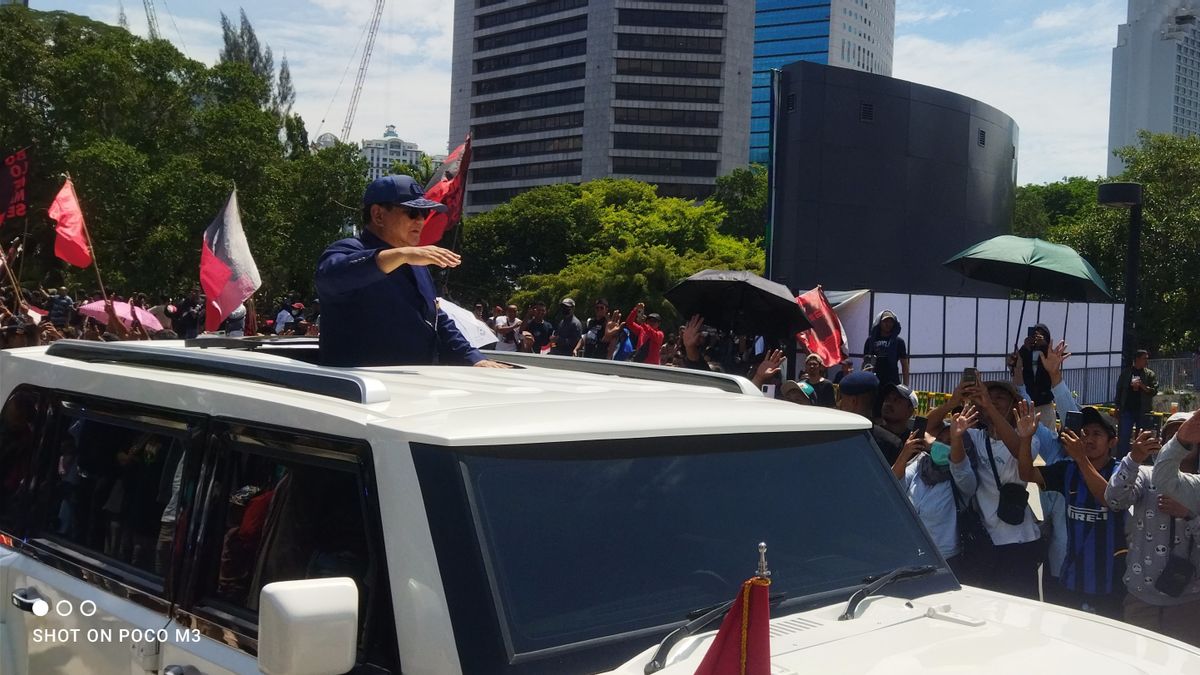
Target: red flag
x,y
228,274
448,186
743,643
71,244
12,185
826,338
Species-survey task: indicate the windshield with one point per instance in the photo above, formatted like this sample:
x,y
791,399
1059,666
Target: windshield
x,y
578,546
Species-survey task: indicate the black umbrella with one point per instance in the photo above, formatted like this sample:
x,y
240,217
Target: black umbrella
x,y
741,302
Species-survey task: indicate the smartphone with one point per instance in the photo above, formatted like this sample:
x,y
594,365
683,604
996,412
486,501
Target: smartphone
x,y
1031,331
768,390
919,424
970,375
1151,423
1074,421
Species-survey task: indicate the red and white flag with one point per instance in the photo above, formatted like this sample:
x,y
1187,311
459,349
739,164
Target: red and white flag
x,y
449,186
71,244
228,274
826,338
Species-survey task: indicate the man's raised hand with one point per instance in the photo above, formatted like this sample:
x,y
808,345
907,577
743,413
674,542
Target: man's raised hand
x,y
430,255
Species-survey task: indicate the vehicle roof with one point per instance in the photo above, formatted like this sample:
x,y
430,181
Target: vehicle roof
x,y
453,405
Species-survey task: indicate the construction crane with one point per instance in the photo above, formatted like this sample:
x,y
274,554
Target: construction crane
x,y
151,19
372,30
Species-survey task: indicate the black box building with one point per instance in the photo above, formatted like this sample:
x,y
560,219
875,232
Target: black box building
x,y
877,181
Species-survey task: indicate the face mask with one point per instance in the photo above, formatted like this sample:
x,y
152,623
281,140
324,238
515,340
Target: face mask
x,y
939,452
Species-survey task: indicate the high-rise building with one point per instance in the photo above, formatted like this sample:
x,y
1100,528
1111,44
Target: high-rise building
x,y
1155,74
565,91
855,34
382,153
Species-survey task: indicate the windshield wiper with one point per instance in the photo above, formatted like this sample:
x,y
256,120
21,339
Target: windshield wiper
x,y
875,583
704,617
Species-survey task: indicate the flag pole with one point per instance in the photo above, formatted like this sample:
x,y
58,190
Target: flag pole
x,y
91,247
24,238
18,298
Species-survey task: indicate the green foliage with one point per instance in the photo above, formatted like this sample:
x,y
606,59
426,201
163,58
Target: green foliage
x,y
608,238
422,171
1066,212
743,194
155,142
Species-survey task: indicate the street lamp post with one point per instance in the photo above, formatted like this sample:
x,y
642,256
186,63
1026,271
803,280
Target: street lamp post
x,y
1128,196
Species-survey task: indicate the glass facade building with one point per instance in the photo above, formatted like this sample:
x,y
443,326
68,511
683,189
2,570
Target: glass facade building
x,y
855,34
785,31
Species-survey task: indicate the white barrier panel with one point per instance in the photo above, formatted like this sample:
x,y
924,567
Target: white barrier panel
x,y
949,333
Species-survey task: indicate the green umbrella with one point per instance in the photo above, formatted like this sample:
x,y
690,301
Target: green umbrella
x,y
1032,266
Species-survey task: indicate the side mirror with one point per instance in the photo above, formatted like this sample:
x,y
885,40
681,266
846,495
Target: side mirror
x,y
308,627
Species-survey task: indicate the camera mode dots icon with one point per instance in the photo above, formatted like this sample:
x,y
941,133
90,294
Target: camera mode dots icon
x,y
41,607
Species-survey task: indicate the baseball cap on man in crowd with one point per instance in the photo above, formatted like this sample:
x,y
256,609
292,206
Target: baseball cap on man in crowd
x,y
400,190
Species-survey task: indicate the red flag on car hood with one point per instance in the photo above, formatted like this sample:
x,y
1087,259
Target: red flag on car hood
x,y
227,270
826,338
743,643
449,186
71,244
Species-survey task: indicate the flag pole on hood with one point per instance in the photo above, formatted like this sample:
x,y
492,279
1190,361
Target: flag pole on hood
x,y
742,645
73,243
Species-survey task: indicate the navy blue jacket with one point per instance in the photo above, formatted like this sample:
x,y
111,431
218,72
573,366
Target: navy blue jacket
x,y
369,318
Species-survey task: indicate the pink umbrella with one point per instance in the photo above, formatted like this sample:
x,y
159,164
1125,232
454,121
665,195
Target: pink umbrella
x,y
95,310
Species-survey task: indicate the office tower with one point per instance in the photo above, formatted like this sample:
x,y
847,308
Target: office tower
x,y
565,91
1155,74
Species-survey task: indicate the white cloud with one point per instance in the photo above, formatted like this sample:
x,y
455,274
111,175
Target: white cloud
x,y
1056,86
912,14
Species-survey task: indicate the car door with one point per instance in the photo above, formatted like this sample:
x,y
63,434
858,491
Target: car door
x,y
86,553
277,505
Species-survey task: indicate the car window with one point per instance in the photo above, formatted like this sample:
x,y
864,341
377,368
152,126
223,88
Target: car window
x,y
110,488
280,508
18,426
586,545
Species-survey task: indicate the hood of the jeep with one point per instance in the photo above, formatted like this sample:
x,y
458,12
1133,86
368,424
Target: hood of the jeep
x,y
967,631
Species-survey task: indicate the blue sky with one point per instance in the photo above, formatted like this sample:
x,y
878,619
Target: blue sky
x,y
1044,62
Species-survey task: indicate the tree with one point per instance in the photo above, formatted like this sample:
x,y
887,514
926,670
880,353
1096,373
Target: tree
x,y
285,92
422,171
1066,212
606,238
155,142
743,195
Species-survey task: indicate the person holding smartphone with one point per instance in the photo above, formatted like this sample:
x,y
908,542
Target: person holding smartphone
x,y
1162,528
1091,574
1029,366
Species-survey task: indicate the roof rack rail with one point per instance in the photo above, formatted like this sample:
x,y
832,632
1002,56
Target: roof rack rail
x,y
640,371
297,376
249,342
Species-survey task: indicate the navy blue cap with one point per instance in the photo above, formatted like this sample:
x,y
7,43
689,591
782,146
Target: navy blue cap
x,y
1094,416
859,383
402,190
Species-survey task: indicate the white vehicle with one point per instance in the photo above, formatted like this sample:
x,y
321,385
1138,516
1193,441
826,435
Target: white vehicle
x,y
171,509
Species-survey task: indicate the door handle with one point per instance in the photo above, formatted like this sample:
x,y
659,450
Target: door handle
x,y
27,599
180,670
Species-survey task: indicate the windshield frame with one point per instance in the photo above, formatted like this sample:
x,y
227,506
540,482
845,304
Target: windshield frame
x,y
468,566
